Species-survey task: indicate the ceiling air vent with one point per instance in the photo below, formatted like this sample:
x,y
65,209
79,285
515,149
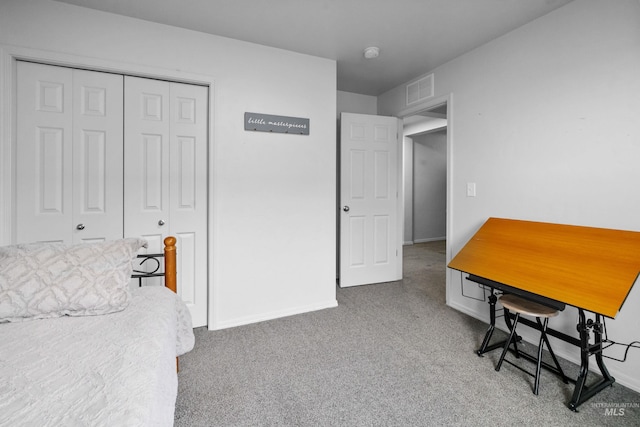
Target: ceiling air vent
x,y
420,89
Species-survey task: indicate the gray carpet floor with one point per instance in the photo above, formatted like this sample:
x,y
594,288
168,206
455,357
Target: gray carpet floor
x,y
390,354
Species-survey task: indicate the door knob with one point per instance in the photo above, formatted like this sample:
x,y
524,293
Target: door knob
x,y
161,222
80,226
346,209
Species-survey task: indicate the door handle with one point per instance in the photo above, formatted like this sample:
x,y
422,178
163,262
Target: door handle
x,y
346,209
80,227
161,222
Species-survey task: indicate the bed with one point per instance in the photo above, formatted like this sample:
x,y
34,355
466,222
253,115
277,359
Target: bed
x,y
104,356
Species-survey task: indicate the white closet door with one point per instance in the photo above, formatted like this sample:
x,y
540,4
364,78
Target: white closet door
x,y
188,193
146,161
166,177
43,149
69,154
97,156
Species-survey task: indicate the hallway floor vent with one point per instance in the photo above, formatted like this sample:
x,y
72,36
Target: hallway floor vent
x,y
420,89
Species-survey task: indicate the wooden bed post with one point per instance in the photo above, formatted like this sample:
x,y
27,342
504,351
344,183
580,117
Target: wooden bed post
x,y
170,274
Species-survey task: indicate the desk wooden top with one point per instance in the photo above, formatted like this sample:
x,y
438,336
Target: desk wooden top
x,y
589,268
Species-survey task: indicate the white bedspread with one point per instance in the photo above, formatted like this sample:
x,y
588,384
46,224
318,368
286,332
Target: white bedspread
x,y
117,369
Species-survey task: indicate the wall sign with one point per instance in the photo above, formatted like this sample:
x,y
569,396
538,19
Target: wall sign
x,y
279,124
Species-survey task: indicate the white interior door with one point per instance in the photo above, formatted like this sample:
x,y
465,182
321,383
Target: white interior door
x,y
370,238
44,132
188,193
166,177
146,161
69,155
97,156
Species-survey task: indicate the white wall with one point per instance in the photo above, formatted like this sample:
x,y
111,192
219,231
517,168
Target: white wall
x,y
429,186
272,196
349,102
545,121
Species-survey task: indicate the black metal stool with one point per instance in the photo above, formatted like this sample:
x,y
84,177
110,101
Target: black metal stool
x,y
520,306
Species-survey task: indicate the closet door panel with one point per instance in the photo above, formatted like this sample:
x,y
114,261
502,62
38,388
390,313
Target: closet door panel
x,y
146,157
97,151
44,153
146,164
152,166
188,192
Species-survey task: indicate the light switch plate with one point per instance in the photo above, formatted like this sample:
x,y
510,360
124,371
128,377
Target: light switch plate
x,y
471,189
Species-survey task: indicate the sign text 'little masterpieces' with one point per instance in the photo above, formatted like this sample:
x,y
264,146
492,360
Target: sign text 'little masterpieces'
x,y
279,124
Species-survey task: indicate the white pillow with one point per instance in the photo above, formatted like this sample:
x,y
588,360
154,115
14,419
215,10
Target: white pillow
x,y
41,280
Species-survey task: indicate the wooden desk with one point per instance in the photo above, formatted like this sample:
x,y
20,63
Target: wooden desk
x,y
589,268
592,269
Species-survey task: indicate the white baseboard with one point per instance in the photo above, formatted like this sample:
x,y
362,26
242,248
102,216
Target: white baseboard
x,y
430,239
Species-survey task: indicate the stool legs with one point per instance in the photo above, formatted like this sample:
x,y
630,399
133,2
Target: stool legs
x,y
565,379
543,339
511,326
508,343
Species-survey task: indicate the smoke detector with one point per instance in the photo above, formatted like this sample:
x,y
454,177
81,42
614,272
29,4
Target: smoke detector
x,y
371,52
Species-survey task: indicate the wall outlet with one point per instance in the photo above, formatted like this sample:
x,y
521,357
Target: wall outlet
x,y
471,189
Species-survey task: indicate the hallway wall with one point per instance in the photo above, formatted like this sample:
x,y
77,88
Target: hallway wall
x,y
430,186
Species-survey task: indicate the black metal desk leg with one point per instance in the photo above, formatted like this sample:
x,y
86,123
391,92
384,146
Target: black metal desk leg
x,y
581,392
584,361
492,325
597,333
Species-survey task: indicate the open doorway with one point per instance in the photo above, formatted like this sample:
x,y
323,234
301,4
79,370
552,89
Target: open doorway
x,y
425,176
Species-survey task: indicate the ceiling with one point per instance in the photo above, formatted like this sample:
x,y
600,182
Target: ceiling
x,y
414,36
